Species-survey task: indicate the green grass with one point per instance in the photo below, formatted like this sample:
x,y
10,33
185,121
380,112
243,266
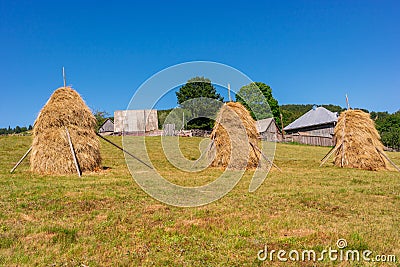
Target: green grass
x,y
105,219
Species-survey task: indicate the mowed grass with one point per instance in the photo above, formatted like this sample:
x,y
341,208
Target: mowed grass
x,y
105,219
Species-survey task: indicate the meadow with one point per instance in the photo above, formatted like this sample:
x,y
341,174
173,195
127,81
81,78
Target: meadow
x,y
106,219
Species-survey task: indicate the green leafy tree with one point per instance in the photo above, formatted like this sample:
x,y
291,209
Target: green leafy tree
x,y
162,115
388,126
101,117
200,98
258,95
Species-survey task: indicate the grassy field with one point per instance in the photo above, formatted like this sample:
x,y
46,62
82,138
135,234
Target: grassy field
x,y
105,219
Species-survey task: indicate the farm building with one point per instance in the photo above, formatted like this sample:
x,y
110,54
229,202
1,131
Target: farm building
x,y
135,121
316,127
107,127
268,130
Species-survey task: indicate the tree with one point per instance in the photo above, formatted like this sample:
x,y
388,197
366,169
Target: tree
x,y
201,99
101,117
388,126
255,97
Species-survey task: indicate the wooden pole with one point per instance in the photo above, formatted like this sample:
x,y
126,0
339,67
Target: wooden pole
x,y
265,157
388,159
283,136
78,170
327,156
347,102
229,92
64,78
19,162
120,148
343,146
210,145
183,121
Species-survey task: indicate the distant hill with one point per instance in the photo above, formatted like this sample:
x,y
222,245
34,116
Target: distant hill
x,y
291,112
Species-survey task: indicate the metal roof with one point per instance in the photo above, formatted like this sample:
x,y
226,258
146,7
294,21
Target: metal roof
x,y
317,116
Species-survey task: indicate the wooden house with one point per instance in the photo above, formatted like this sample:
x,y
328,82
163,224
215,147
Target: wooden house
x,y
313,128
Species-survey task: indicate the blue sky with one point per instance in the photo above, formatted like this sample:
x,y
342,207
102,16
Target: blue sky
x,y
307,51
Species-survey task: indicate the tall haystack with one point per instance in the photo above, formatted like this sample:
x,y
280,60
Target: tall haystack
x,y
357,142
232,149
51,152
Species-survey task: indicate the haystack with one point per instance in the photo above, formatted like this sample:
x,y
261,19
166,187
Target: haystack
x,y
232,136
51,152
358,142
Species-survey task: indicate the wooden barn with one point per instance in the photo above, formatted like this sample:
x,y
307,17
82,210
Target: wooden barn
x,y
268,130
107,127
313,128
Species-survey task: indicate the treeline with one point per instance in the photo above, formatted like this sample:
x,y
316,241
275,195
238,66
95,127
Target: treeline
x,y
15,130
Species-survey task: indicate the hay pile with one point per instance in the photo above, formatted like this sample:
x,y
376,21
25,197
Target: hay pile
x,y
357,140
51,153
234,129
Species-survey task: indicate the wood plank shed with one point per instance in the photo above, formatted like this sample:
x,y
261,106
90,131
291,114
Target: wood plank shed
x,y
269,130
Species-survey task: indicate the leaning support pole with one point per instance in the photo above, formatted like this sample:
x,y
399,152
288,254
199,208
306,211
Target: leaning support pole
x,y
265,157
127,152
78,170
205,152
327,156
387,158
19,162
343,145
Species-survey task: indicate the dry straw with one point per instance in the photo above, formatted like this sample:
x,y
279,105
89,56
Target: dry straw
x,y
357,142
233,132
51,153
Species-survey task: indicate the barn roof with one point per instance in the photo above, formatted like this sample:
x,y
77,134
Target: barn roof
x,y
107,126
263,125
316,116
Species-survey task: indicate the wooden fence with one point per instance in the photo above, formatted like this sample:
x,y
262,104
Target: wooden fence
x,y
310,140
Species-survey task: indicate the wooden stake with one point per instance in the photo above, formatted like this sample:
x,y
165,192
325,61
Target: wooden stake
x,y
78,170
343,146
19,162
388,159
327,156
283,136
127,152
347,102
210,145
183,121
64,78
265,157
229,92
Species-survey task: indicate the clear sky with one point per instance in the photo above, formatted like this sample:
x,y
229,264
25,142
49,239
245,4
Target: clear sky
x,y
307,51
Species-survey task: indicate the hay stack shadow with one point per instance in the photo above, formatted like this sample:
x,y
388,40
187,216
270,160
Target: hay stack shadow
x,y
65,111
